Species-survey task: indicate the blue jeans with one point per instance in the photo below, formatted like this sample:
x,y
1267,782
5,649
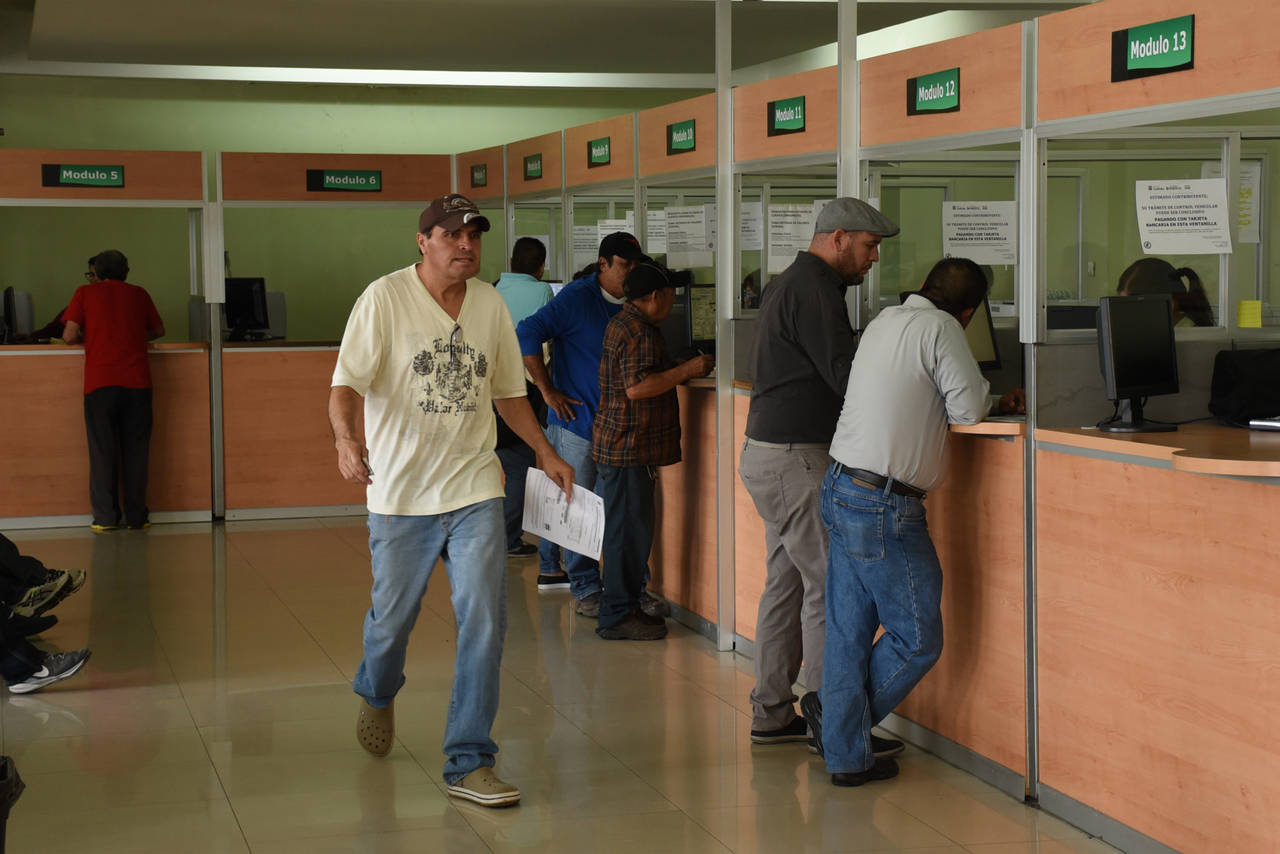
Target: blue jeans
x,y
882,570
584,572
405,550
516,461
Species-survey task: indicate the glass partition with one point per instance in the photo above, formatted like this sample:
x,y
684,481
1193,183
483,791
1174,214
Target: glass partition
x,y
776,222
596,213
542,219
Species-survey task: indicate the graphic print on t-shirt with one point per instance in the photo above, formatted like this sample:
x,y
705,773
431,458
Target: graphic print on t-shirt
x,y
451,370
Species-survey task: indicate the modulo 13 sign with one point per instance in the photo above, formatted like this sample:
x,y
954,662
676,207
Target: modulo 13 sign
x,y
938,92
1157,48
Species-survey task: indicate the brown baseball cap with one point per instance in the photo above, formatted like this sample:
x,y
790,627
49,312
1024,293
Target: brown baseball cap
x,y
451,212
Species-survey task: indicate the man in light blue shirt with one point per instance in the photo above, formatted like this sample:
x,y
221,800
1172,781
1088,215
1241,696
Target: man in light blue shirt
x,y
524,292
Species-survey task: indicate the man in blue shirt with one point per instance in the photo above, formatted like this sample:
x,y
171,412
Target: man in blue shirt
x,y
524,292
575,322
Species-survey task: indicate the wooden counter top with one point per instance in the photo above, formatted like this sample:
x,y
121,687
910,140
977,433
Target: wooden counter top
x,y
154,347
1198,448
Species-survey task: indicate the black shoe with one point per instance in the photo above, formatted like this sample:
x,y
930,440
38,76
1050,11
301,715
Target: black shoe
x,y
883,748
797,730
811,707
28,626
647,618
633,628
522,550
653,605
75,580
884,769
56,667
588,606
550,583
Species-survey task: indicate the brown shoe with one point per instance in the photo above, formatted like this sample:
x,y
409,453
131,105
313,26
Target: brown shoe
x,y
485,788
376,728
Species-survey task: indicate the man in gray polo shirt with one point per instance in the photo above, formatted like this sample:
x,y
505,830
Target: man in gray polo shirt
x,y
914,374
800,366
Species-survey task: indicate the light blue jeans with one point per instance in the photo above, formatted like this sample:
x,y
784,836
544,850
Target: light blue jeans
x,y
583,572
405,550
882,569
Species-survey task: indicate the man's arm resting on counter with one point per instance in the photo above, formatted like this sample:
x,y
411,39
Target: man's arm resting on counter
x,y
518,415
661,383
345,406
71,332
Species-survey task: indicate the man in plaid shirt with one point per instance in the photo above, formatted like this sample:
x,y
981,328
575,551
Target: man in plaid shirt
x,y
637,429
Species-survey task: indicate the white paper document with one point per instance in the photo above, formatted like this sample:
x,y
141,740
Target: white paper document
x,y
1183,217
751,227
586,243
689,238
790,230
983,232
1250,197
655,238
577,525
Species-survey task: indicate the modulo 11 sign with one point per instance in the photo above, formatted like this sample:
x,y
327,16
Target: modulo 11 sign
x,y
74,175
938,92
1158,48
357,180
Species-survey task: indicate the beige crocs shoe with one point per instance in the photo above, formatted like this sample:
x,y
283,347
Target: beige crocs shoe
x,y
376,728
485,788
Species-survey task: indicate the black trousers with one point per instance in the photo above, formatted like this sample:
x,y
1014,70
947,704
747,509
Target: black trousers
x,y
628,538
18,572
118,423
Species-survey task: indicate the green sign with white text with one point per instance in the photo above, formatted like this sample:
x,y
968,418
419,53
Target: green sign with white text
x,y
533,167
76,175
681,137
1157,48
598,152
353,180
786,115
938,92
480,175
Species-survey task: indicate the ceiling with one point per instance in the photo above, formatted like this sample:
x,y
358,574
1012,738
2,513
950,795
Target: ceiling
x,y
595,36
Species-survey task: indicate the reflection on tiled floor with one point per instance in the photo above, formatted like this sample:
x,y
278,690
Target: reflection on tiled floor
x,y
216,715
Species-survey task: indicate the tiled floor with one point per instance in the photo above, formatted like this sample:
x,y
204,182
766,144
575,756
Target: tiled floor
x,y
216,715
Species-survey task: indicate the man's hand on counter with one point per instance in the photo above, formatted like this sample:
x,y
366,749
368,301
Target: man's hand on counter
x,y
700,365
1013,403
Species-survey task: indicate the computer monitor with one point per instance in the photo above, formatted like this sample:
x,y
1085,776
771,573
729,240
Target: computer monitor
x,y
10,318
1138,358
247,309
980,333
556,288
700,308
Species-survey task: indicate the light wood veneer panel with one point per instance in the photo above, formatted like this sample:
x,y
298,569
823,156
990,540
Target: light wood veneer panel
x,y
990,66
1235,50
751,140
654,159
684,553
283,177
1201,448
156,175
46,454
491,159
279,450
976,693
548,145
622,151
1159,649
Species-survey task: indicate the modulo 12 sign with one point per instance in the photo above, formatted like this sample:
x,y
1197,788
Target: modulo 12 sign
x,y
938,92
1158,48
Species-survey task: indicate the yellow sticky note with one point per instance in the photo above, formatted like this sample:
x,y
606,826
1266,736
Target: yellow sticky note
x,y
1249,313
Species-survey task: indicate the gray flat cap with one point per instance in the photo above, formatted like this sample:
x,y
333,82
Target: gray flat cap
x,y
849,214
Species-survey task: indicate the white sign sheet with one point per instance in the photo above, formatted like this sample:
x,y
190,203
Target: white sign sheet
x,y
577,525
983,232
689,240
586,243
1250,197
655,239
790,231
1186,217
751,228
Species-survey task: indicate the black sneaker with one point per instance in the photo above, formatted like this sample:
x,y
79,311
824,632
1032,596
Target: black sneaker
x,y
654,606
75,580
588,606
884,769
797,730
811,707
35,600
56,667
633,628
558,581
522,550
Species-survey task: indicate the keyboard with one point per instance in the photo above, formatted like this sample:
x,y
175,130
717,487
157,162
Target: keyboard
x,y
1265,423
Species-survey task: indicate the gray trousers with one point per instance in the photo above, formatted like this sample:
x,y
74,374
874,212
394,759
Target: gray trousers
x,y
785,484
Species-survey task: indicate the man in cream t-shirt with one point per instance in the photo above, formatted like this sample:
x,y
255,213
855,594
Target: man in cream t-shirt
x,y
424,354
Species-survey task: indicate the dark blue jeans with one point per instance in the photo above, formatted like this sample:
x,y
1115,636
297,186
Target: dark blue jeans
x,y
516,461
882,570
628,538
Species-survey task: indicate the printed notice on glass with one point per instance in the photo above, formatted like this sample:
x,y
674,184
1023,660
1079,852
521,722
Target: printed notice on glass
x,y
577,525
790,231
586,245
655,238
1250,194
983,232
751,227
689,240
1183,217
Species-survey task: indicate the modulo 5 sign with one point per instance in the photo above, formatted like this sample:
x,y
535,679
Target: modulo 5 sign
x,y
75,175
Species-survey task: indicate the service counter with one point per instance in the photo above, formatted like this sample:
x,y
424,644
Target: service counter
x,y
46,456
1158,640
278,446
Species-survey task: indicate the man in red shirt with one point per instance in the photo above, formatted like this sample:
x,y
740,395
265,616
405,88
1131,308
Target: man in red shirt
x,y
115,320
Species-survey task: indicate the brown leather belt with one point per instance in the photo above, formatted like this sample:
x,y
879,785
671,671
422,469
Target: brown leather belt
x,y
871,480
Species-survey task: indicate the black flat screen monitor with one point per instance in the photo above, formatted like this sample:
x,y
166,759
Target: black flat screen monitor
x,y
10,319
700,307
1138,358
247,308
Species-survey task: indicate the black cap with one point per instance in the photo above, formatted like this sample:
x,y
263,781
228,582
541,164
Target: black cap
x,y
622,244
645,278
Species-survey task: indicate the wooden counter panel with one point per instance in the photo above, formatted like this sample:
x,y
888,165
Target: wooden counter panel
x,y
684,554
265,177
279,450
654,159
549,146
491,159
622,151
751,140
1199,448
43,434
1159,649
976,693
990,66
1235,51
156,175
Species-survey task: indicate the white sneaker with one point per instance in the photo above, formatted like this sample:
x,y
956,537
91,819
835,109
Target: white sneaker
x,y
56,667
485,788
